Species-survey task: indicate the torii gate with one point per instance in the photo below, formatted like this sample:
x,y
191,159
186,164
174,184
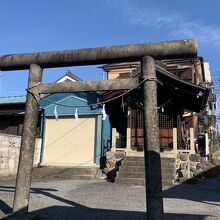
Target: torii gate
x,y
146,53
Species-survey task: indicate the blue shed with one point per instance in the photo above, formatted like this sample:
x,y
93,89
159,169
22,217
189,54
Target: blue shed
x,y
69,140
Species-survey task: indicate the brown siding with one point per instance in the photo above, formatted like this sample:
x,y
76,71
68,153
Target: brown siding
x,y
166,137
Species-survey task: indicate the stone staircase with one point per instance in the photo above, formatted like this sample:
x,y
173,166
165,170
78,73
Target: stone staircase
x,y
62,173
132,171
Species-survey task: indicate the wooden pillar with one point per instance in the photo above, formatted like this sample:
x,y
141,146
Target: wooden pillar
x,y
23,181
128,141
114,138
192,141
151,141
175,141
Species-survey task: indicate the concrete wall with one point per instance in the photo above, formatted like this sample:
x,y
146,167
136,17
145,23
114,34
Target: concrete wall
x,y
9,153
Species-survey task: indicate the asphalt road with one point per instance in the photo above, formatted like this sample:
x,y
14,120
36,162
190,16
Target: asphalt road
x,y
97,200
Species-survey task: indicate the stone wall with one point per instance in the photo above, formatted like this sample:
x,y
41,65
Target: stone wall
x,y
188,166
9,153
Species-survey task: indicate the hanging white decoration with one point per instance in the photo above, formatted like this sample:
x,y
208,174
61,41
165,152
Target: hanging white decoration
x,y
55,112
131,74
104,115
199,94
76,114
122,102
162,109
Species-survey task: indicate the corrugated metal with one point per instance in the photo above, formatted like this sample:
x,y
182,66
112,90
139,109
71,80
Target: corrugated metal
x,y
12,100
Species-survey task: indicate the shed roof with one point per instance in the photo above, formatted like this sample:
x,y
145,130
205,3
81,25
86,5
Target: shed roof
x,y
12,100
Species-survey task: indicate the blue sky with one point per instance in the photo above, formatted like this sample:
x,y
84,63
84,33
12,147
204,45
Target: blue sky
x,y
44,25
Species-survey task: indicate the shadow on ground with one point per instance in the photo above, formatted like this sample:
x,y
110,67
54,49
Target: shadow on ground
x,y
69,213
205,191
75,210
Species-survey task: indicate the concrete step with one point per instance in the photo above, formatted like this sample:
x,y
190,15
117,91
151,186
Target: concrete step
x,y
135,158
132,171
142,168
131,175
77,173
141,159
131,181
132,163
165,163
126,168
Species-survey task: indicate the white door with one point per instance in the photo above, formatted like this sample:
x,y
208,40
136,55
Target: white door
x,y
69,142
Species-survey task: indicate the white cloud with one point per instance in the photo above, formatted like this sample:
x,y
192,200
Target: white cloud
x,y
176,25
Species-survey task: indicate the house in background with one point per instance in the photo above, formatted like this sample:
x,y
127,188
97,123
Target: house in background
x,y
66,140
12,110
12,114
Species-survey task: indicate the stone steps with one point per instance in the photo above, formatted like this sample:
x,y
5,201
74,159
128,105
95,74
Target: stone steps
x,y
75,173
133,163
132,171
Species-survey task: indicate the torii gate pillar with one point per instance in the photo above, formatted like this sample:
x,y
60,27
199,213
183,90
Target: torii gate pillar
x,y
23,180
151,141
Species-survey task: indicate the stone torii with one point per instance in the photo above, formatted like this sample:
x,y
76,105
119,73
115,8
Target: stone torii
x,y
146,53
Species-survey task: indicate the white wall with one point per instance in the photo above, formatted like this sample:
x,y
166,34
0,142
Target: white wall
x,y
207,72
9,153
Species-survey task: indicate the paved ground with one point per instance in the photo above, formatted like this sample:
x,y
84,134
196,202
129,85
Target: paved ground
x,y
92,200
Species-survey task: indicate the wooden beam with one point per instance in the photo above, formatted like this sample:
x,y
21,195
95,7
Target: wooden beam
x,y
85,86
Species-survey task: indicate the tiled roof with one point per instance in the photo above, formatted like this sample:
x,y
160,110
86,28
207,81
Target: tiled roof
x,y
70,75
12,100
